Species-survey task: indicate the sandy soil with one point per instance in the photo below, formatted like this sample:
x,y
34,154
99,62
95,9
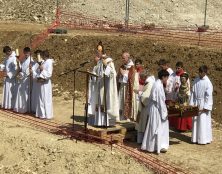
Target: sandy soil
x,y
55,154
202,159
24,150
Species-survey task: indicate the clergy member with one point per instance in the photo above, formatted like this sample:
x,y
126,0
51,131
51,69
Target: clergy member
x,y
10,67
35,85
138,84
142,117
93,89
23,84
156,136
202,97
104,97
128,81
139,68
169,87
180,124
44,106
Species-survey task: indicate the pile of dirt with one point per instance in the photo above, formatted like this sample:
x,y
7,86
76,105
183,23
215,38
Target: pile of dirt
x,y
164,13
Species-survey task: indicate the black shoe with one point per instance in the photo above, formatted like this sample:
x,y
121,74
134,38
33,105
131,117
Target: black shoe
x,y
163,150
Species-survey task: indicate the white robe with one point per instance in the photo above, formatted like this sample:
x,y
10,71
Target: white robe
x,y
35,88
143,108
123,83
156,136
23,87
169,90
8,96
44,106
135,100
123,80
92,97
202,96
96,95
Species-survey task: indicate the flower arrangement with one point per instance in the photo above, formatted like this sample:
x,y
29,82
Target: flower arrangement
x,y
181,110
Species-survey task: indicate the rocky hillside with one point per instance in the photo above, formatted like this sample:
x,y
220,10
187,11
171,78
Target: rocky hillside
x,y
168,12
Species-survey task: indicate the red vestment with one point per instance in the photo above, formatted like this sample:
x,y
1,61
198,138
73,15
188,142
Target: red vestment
x,y
128,103
139,70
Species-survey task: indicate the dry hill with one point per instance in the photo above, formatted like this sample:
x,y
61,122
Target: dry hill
x,y
167,13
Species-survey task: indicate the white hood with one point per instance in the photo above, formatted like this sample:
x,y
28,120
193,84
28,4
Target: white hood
x,y
129,64
150,79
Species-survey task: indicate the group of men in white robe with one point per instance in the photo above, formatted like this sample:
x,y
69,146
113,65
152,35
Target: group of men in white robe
x,y
107,103
27,83
156,135
111,96
173,91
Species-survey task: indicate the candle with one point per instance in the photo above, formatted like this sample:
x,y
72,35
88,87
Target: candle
x,y
39,59
17,52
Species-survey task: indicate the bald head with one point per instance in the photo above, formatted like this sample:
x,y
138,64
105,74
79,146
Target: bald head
x,y
125,57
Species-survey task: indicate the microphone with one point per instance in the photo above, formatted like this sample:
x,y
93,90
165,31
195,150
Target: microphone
x,y
82,64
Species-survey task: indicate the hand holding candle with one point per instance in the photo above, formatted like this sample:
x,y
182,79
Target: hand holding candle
x,y
17,52
39,59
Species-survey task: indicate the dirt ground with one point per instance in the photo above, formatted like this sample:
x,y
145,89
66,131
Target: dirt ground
x,y
202,159
78,48
53,154
24,150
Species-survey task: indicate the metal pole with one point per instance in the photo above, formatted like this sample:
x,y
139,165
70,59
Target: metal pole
x,y
73,99
57,12
57,3
87,102
30,77
205,13
127,14
128,9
